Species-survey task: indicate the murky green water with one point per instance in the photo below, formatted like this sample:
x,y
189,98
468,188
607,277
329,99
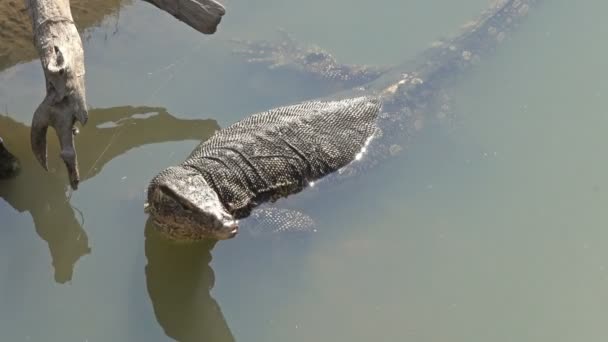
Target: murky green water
x,y
492,228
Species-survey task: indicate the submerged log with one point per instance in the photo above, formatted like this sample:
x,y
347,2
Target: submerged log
x,y
61,53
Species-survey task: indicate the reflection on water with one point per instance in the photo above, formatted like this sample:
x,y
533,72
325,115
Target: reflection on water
x,y
179,280
110,132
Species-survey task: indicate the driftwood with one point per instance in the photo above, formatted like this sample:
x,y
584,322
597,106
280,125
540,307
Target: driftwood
x,y
60,50
202,15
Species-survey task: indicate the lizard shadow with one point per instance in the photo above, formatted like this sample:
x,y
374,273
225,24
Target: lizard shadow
x,y
109,133
179,280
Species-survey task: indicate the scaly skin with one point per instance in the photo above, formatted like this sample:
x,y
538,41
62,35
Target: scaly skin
x,y
407,93
257,160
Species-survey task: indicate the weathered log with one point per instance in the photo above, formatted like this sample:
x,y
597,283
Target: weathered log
x,y
202,15
60,49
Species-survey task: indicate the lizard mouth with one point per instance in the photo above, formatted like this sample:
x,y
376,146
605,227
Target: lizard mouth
x,y
188,206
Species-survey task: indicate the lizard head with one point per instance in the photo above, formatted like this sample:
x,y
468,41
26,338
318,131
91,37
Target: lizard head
x,y
185,207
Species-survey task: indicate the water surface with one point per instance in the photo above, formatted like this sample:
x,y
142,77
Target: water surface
x,y
488,228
